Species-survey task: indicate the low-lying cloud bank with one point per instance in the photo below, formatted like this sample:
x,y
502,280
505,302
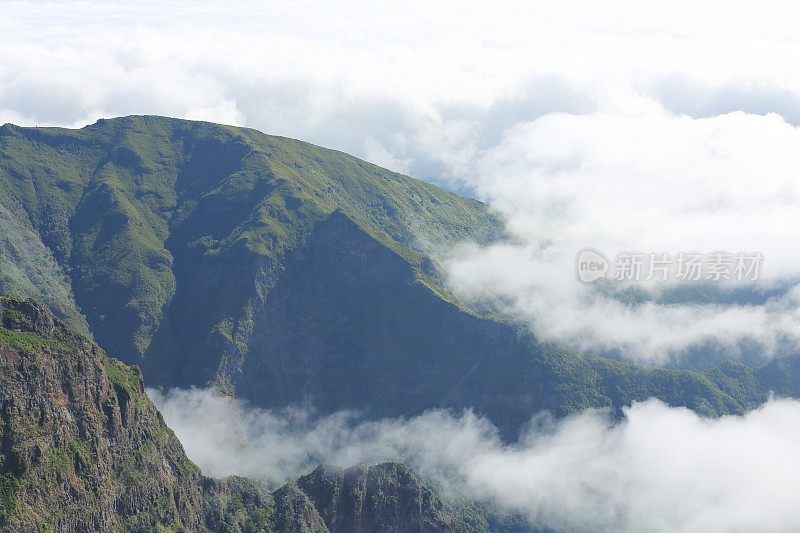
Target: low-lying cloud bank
x,y
658,469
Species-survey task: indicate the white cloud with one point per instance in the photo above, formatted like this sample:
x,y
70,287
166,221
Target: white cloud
x,y
305,69
658,469
541,287
226,113
652,183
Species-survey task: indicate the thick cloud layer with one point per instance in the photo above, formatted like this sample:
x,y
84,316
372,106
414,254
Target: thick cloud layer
x,y
650,127
429,85
659,469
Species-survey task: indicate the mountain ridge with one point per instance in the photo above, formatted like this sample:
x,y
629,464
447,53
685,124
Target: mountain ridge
x,y
122,180
285,272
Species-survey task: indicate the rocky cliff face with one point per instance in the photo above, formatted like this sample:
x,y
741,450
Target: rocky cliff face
x,y
82,448
384,497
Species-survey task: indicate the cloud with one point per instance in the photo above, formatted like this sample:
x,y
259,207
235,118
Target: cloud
x,y
658,469
653,183
541,287
308,69
226,436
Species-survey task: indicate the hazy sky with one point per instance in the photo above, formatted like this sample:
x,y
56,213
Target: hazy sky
x,y
644,126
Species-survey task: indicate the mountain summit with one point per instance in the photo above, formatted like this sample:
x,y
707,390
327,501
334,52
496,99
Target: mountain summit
x,y
285,273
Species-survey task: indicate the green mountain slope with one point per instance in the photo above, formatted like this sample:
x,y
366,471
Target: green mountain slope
x,y
143,212
82,448
28,267
291,273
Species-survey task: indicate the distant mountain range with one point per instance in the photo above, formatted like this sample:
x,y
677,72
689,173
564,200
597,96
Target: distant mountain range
x,y
287,273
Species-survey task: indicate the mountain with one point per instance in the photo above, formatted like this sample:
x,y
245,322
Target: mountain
x,y
82,448
288,273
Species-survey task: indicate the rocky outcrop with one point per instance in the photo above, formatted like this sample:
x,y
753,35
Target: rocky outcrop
x,y
384,497
83,449
295,512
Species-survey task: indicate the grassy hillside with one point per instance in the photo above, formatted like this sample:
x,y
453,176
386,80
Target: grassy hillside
x,y
291,273
126,205
27,267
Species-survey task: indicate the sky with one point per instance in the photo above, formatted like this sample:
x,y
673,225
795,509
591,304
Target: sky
x,y
646,127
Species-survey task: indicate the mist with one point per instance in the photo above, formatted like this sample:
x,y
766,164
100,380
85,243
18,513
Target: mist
x,y
659,468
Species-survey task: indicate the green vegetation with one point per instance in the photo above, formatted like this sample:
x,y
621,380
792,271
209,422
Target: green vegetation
x,y
26,341
282,271
123,375
8,486
143,214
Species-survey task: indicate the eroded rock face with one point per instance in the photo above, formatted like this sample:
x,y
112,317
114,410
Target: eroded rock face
x,y
384,497
82,448
294,511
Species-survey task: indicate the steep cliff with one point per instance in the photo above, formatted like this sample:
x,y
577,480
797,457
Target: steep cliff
x,y
82,448
384,497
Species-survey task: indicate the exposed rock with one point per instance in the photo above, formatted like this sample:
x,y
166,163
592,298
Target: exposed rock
x,y
384,497
82,448
295,513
